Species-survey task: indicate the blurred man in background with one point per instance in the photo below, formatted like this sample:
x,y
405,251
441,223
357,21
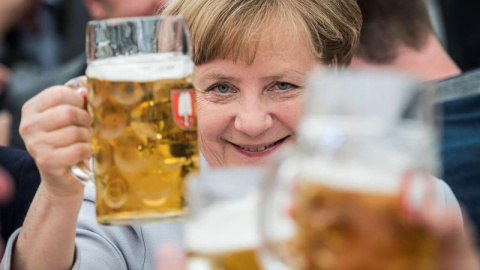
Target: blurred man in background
x,y
397,35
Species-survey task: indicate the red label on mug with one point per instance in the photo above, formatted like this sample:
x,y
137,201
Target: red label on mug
x,y
183,108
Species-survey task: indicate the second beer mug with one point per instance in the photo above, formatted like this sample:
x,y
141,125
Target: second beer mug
x,y
364,158
142,105
222,231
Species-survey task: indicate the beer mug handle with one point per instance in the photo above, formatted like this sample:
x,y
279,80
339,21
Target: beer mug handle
x,y
277,210
81,171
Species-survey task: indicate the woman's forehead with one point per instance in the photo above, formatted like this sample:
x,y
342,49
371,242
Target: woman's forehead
x,y
275,41
280,41
242,43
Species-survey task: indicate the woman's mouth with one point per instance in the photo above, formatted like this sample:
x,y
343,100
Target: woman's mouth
x,y
259,150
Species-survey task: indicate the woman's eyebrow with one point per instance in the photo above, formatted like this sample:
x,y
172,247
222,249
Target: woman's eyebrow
x,y
221,77
283,75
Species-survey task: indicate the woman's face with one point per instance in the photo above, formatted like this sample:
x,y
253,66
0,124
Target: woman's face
x,y
247,112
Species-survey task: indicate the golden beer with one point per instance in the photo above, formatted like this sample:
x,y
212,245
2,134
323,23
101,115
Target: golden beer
x,y
144,136
357,225
234,260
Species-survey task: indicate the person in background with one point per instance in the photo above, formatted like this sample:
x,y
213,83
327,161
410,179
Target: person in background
x,y
397,35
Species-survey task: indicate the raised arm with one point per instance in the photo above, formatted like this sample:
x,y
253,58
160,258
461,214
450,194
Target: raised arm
x,y
55,128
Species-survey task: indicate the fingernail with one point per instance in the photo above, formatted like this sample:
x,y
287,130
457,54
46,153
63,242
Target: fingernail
x,y
82,90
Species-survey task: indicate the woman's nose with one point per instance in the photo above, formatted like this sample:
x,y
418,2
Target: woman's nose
x,y
253,118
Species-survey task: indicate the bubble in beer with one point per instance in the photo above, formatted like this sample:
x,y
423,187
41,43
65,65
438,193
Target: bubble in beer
x,y
165,158
127,93
181,150
156,187
163,87
112,120
191,165
95,94
131,153
102,155
161,91
149,119
115,192
177,149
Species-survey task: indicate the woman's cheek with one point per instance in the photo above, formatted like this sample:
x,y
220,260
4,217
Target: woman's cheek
x,y
290,112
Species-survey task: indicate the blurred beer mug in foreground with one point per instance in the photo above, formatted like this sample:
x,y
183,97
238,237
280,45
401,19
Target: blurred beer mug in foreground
x,y
364,156
142,105
222,231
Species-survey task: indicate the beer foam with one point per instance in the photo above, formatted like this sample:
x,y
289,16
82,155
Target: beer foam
x,y
349,175
141,68
225,227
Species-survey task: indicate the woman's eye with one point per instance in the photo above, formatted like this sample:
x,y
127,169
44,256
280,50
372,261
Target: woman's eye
x,y
283,85
221,88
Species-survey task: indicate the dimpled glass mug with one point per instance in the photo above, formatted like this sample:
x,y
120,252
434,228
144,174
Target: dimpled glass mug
x,y
142,107
222,232
365,154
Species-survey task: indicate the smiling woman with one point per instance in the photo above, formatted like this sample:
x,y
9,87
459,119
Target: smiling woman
x,y
251,60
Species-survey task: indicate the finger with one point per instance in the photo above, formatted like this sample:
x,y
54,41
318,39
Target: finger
x,y
170,257
58,161
52,97
417,193
443,223
53,119
62,116
67,136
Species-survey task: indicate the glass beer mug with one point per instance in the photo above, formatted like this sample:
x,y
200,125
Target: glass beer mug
x,y
364,157
142,107
222,230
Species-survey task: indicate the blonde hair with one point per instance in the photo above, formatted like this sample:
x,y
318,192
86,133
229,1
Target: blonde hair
x,y
232,28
